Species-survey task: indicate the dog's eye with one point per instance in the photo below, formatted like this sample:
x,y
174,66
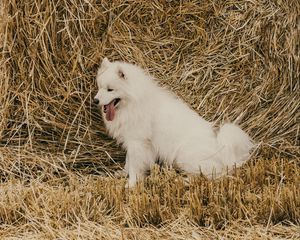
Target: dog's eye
x,y
109,89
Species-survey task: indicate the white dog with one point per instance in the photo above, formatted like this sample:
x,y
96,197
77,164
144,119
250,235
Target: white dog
x,y
152,123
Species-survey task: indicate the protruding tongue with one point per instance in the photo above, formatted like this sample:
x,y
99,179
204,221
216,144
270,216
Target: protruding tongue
x,y
110,111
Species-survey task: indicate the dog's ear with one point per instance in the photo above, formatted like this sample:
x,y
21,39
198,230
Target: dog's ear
x,y
105,62
121,73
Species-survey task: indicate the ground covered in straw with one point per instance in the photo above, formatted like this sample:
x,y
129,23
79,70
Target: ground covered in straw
x,y
227,59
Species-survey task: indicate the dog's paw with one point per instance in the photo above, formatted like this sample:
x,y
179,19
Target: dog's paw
x,y
131,183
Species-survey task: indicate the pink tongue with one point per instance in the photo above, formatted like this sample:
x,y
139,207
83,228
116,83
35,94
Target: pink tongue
x,y
110,111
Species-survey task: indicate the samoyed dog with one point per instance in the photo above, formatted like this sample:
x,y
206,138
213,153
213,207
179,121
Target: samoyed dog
x,y
153,124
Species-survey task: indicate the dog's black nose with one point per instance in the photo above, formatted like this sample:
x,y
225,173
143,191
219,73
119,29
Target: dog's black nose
x,y
96,100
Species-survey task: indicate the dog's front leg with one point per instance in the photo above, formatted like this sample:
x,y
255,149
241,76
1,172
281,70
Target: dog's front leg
x,y
140,158
126,165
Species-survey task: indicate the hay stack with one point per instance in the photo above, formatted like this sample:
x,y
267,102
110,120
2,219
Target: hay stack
x,y
227,59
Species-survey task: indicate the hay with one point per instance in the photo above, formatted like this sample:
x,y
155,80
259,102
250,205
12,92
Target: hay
x,y
262,199
228,60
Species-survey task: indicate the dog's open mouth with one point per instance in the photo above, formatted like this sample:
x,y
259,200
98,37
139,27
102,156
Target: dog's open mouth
x,y
110,109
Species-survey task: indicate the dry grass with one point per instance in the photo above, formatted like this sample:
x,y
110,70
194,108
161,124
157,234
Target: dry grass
x,y
227,59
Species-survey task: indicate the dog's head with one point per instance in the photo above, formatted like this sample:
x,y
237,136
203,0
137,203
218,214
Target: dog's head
x,y
111,81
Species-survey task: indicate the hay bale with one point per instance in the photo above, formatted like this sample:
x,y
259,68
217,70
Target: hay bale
x,y
225,59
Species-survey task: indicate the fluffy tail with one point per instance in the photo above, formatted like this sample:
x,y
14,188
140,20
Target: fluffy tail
x,y
235,145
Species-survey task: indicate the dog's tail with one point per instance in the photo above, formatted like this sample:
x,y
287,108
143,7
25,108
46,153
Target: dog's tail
x,y
235,145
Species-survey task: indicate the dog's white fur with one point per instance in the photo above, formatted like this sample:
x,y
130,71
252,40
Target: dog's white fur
x,y
152,123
